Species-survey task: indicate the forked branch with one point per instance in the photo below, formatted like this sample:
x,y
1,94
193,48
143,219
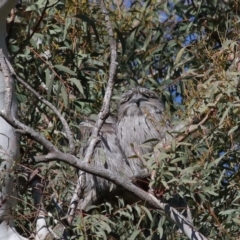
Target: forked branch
x,y
103,114
54,154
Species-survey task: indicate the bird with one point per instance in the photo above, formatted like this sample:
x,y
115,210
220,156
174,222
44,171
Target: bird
x,y
141,118
141,123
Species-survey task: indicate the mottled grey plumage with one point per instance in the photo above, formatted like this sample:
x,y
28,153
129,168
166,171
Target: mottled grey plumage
x,y
108,154
140,118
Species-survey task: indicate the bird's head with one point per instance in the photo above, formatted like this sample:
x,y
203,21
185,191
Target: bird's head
x,y
139,101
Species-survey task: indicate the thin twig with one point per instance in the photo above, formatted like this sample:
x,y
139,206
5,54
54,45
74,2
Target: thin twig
x,y
48,64
66,127
35,28
193,128
53,108
38,23
190,129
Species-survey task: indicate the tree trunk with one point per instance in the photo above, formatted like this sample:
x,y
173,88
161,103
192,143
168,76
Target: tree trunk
x,y
9,144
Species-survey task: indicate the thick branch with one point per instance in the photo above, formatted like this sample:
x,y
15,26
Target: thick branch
x,y
165,209
8,84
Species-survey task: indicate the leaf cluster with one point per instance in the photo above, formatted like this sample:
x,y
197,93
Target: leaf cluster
x,y
187,51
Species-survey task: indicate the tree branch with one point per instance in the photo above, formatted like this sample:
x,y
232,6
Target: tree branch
x,y
8,70
8,84
164,208
66,127
108,94
103,114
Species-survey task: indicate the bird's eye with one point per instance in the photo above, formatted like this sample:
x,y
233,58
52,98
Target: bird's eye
x,y
124,100
150,94
126,97
146,95
144,92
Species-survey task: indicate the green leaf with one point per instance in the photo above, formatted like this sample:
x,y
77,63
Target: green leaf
x,y
64,95
233,129
68,22
236,220
77,84
65,69
134,234
180,159
211,192
148,213
179,56
147,40
138,210
224,116
85,18
189,181
227,212
216,161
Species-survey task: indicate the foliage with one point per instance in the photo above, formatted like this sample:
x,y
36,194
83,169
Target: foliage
x,y
187,51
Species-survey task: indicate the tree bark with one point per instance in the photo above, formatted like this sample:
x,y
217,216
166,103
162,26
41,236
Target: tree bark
x,y
9,143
